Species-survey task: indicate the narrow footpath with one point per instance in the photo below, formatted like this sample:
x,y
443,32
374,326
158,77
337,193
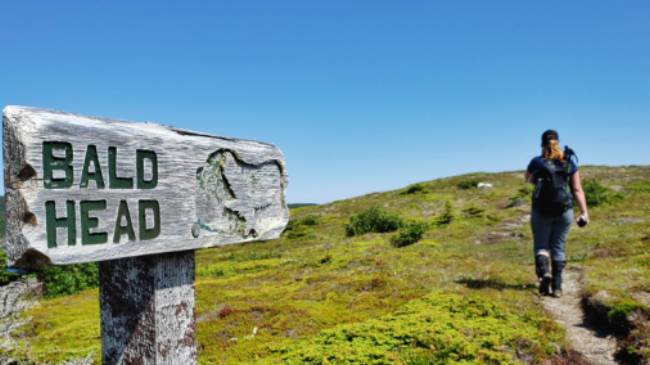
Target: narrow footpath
x,y
567,311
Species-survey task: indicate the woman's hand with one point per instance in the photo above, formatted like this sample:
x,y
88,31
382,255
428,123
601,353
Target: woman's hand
x,y
583,220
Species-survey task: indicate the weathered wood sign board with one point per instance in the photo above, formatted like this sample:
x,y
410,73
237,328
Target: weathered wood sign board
x,y
85,189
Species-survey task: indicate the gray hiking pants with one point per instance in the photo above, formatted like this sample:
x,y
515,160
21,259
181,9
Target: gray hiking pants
x,y
550,234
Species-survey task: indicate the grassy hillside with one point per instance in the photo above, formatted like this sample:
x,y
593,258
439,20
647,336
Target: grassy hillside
x,y
463,294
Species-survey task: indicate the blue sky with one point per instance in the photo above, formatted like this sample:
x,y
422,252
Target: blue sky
x,y
361,96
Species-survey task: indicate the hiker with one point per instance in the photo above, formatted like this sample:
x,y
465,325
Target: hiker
x,y
553,173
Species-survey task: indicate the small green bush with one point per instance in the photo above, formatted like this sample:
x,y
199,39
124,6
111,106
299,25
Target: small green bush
x,y
446,217
373,220
468,184
414,189
297,228
65,280
597,194
409,234
310,220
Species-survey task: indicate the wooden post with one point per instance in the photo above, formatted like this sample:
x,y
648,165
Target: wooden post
x,y
147,310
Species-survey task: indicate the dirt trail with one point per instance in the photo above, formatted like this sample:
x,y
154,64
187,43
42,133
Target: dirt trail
x,y
567,311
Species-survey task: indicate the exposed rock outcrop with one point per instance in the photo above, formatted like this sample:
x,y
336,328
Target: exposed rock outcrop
x,y
14,298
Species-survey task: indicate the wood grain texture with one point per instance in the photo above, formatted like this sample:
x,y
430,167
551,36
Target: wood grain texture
x,y
212,191
147,310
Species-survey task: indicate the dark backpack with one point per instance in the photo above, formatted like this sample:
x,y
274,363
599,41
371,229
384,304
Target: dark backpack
x,y
552,196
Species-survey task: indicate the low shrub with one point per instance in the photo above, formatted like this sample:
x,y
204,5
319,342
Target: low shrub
x,y
373,220
57,280
598,194
468,184
409,234
620,312
446,217
70,279
414,189
298,228
310,220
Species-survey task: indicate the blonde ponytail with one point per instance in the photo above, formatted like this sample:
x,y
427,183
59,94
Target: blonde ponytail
x,y
553,151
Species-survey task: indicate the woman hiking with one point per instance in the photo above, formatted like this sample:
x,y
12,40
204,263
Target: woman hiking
x,y
553,173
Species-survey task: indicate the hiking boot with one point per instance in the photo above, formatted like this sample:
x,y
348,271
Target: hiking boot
x,y
557,293
558,267
543,274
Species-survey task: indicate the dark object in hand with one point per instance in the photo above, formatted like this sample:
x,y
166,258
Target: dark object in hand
x,y
582,222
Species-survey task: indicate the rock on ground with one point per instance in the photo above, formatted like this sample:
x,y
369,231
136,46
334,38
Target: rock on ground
x,y
14,298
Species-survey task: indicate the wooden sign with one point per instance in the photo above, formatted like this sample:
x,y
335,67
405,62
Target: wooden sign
x,y
84,189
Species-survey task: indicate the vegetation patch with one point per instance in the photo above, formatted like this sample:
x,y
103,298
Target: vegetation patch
x,y
409,234
523,196
440,328
301,228
414,189
468,184
70,279
61,329
310,220
57,280
446,217
598,194
640,186
373,220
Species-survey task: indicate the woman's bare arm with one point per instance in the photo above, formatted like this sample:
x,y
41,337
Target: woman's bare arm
x,y
529,177
579,194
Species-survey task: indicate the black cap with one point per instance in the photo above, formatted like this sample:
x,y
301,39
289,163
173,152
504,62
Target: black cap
x,y
550,135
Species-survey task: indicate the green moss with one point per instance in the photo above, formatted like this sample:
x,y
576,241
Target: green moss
x,y
621,310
